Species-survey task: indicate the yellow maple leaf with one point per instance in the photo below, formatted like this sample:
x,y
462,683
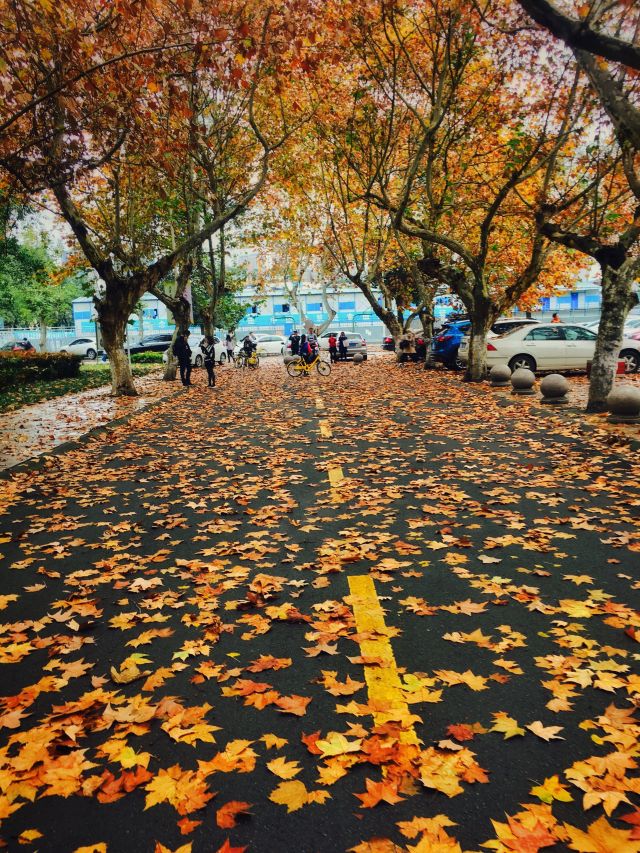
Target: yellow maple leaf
x,y
284,769
293,795
601,837
337,744
550,790
506,725
273,741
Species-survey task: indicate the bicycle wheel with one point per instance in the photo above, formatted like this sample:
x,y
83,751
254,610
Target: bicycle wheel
x,y
323,368
295,368
240,361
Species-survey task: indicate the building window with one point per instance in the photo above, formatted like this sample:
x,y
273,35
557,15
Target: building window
x,y
314,306
347,306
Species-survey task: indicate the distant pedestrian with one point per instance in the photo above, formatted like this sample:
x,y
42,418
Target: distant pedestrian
x,y
294,340
182,352
342,346
209,352
26,344
229,344
555,318
333,347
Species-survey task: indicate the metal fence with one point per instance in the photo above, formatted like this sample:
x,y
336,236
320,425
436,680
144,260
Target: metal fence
x,y
56,337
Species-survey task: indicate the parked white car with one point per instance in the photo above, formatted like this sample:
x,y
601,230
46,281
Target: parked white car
x,y
86,347
267,345
552,346
631,325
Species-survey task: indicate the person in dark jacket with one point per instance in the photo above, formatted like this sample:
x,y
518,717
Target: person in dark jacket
x,y
182,352
305,350
209,352
294,340
342,346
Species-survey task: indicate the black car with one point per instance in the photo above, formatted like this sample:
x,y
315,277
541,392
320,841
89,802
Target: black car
x,y
159,342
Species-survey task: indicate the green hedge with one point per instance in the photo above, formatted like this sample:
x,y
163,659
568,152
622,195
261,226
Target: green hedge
x,y
147,357
18,368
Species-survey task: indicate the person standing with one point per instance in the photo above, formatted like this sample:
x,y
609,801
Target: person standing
x,y
230,343
209,352
342,346
294,340
333,348
182,352
555,318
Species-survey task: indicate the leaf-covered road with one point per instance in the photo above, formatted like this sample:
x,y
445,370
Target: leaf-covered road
x,y
193,661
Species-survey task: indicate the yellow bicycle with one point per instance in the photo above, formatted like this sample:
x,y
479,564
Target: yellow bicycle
x,y
301,368
244,360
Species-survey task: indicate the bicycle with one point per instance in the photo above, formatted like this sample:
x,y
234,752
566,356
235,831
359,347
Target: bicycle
x,y
251,360
301,368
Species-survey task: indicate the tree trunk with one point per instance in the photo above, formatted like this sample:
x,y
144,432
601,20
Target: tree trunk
x,y
207,323
113,324
617,300
140,313
480,322
43,335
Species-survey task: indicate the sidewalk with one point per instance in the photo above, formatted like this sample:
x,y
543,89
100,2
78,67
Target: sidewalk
x,y
37,429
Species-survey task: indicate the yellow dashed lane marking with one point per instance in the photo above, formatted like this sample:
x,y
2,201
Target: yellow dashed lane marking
x,y
335,476
383,682
319,403
325,429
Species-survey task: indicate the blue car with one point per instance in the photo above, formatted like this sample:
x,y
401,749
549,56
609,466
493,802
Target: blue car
x,y
444,346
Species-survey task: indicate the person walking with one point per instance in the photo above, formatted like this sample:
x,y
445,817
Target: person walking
x,y
333,348
182,352
229,344
209,352
342,346
294,340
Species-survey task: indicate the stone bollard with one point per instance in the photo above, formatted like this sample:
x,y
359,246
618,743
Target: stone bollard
x,y
554,389
499,376
288,359
358,358
522,382
624,405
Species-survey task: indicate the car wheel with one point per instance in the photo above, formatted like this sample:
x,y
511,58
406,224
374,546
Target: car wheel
x,y
223,357
198,361
631,359
91,354
451,365
522,361
460,365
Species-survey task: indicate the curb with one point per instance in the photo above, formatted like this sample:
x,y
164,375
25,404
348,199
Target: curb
x,y
34,462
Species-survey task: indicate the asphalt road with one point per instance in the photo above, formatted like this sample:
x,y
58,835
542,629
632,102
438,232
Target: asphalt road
x,y
286,593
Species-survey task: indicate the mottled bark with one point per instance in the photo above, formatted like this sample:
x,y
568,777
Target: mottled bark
x,y
481,318
617,300
113,317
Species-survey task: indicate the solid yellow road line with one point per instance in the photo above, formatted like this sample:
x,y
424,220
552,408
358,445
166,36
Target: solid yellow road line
x,y
325,429
319,403
383,682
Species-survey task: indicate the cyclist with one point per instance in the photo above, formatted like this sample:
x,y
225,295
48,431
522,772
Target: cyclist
x,y
306,352
249,345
